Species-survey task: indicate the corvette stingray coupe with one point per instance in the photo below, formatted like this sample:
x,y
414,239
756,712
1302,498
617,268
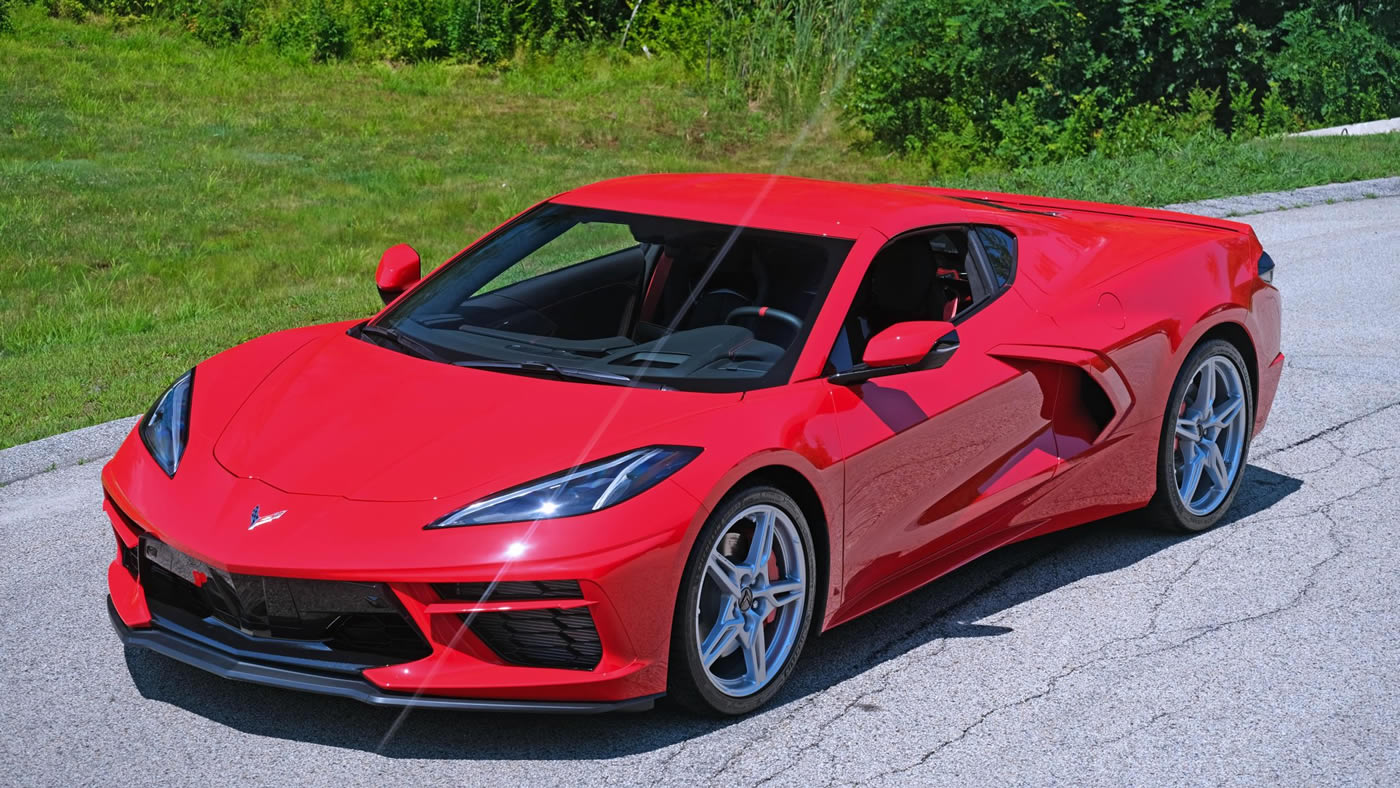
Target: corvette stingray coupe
x,y
649,436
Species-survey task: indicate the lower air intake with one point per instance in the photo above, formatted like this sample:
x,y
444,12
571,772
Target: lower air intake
x,y
553,638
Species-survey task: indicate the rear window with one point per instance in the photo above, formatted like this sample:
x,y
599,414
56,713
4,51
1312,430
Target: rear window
x,y
1000,247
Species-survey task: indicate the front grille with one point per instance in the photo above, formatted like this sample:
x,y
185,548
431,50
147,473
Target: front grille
x,y
353,621
553,638
509,591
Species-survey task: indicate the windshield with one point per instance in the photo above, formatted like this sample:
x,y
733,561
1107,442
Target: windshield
x,y
598,296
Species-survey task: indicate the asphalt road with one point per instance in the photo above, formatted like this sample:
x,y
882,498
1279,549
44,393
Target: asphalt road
x,y
1263,651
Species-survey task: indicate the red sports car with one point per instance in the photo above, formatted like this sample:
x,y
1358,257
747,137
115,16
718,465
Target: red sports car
x,y
651,434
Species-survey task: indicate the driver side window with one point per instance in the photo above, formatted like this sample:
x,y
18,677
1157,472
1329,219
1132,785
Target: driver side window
x,y
926,275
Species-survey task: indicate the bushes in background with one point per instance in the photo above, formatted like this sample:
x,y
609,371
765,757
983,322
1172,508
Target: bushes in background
x,y
1340,62
1029,81
960,82
397,30
783,54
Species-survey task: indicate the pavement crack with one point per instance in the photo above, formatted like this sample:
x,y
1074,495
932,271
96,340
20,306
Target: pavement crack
x,y
1135,730
879,653
1099,655
1327,431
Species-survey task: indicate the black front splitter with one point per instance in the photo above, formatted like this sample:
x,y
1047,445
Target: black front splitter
x,y
167,639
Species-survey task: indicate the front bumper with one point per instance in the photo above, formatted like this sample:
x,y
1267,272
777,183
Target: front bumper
x,y
180,643
624,564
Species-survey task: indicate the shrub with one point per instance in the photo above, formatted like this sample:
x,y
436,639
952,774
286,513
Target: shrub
x,y
479,30
317,30
1038,80
215,21
1338,66
66,9
782,55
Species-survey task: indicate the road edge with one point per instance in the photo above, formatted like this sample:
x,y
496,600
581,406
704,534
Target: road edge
x,y
1307,196
79,446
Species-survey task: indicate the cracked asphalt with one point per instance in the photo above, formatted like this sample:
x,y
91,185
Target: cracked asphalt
x,y
1264,651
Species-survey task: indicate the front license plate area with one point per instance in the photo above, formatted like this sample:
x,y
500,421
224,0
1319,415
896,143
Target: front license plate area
x,y
189,583
155,553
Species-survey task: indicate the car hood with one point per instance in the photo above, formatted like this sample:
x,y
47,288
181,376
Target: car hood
x,y
344,417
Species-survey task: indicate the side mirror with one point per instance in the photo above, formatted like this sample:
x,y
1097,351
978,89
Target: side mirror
x,y
903,347
398,269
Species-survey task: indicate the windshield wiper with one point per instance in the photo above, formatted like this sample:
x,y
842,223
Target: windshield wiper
x,y
404,341
545,368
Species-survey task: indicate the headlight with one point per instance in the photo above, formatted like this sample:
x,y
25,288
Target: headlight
x,y
587,488
166,426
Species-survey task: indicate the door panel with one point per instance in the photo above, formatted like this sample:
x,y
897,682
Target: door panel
x,y
933,457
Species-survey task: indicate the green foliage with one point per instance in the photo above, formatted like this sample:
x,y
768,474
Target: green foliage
x,y
957,84
216,22
1035,81
1206,165
393,30
784,56
1338,65
317,30
67,9
6,25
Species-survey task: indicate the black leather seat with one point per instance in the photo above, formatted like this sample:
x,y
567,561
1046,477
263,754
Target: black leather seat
x,y
902,285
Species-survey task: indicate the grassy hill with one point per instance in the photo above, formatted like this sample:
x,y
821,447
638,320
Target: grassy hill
x,y
161,200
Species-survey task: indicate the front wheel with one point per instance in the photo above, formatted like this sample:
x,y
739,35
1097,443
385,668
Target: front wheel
x,y
745,604
1205,439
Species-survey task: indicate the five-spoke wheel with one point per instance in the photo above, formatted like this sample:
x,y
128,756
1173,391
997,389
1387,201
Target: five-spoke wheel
x,y
745,607
1210,432
752,599
1205,438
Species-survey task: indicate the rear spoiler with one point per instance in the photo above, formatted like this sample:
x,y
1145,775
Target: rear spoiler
x,y
1053,206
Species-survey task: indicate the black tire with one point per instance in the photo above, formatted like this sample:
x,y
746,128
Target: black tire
x,y
1166,508
687,682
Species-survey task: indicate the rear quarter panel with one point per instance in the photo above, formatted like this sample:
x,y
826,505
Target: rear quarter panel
x,y
1143,293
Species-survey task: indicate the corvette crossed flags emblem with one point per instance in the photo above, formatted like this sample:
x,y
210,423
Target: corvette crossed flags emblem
x,y
256,521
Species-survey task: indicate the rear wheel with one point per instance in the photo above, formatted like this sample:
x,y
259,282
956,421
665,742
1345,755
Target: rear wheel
x,y
745,604
1205,439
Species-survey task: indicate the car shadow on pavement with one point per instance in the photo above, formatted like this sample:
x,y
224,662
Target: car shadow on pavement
x,y
949,607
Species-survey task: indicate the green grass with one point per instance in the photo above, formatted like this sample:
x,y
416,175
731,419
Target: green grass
x,y
161,200
1202,168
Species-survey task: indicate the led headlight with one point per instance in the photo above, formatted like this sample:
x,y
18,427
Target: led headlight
x,y
166,426
587,488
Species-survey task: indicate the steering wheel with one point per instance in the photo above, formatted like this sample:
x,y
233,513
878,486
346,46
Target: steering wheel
x,y
765,311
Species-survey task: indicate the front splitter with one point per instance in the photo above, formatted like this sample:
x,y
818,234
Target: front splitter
x,y
171,643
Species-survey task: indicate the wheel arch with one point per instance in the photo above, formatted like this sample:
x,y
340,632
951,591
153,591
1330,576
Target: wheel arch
x,y
1236,335
1165,508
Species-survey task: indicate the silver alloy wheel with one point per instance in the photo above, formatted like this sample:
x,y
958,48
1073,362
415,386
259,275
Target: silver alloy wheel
x,y
750,607
1210,435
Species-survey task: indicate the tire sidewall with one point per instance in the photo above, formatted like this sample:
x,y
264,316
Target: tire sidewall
x,y
1169,500
688,678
